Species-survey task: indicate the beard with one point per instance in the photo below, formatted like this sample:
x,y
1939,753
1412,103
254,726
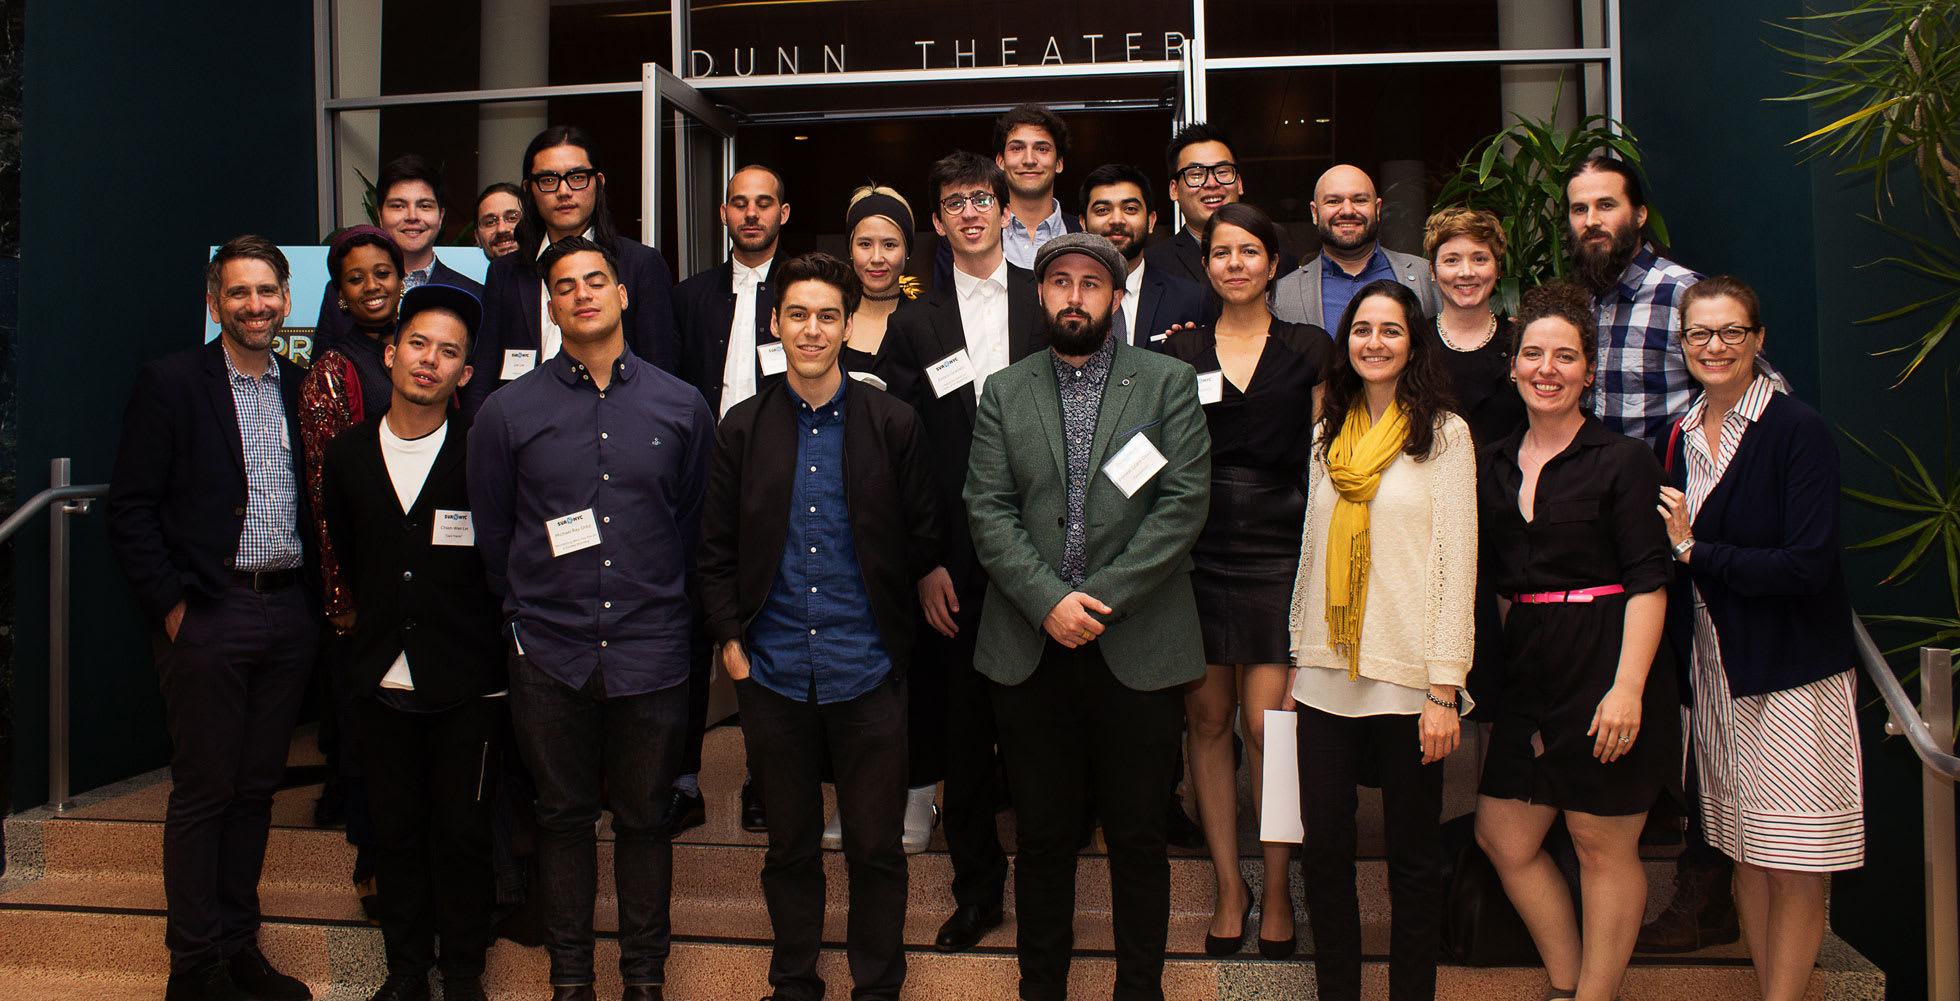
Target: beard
x,y
1599,268
1083,336
1369,229
236,331
1131,248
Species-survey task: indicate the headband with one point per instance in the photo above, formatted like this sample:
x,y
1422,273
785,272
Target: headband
x,y
878,204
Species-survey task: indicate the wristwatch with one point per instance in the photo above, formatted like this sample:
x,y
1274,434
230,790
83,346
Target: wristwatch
x,y
1681,548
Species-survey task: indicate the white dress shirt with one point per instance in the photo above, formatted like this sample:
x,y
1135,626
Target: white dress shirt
x,y
1132,297
983,315
738,366
549,338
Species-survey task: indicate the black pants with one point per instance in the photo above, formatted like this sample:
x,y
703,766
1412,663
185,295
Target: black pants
x,y
433,779
969,762
865,738
232,684
1069,732
577,745
1333,750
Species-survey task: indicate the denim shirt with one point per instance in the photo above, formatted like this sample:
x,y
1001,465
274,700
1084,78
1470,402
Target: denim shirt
x,y
1337,287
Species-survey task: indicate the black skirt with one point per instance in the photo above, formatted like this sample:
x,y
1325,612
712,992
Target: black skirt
x,y
1244,564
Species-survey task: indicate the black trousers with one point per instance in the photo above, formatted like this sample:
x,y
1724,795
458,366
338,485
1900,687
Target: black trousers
x,y
865,738
969,763
1333,750
232,684
1068,733
433,778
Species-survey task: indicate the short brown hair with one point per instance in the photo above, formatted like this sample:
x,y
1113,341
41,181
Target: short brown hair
x,y
822,268
247,247
1448,224
1563,301
1722,286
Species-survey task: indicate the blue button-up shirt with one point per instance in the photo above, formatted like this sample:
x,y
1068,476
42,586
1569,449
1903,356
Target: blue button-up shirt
x,y
1643,377
270,538
1337,287
815,638
1018,243
635,455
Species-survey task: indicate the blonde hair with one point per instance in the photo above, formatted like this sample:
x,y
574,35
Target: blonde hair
x,y
1450,223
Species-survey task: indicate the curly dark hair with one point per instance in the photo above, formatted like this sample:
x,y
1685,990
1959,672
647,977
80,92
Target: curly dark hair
x,y
1562,300
1424,388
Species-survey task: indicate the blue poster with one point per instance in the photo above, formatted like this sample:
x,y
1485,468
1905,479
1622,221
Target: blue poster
x,y
309,282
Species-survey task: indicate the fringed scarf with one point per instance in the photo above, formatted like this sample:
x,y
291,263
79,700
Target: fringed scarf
x,y
1355,460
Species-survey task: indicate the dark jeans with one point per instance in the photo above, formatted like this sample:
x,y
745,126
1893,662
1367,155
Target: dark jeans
x,y
340,742
232,684
1068,733
433,779
1333,750
579,745
969,762
865,738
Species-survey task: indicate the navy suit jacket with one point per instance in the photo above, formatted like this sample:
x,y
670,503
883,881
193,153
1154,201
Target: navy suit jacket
x,y
1180,256
704,310
176,501
334,323
513,296
1163,302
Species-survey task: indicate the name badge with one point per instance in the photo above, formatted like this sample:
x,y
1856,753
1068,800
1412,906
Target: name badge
x,y
869,380
1134,464
453,528
573,532
1211,387
950,373
770,356
285,436
516,363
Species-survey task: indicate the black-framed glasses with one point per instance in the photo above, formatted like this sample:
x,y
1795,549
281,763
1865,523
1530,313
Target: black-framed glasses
x,y
982,200
577,180
1193,175
1700,336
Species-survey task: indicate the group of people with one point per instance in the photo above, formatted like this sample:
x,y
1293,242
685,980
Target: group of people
x,y
1080,516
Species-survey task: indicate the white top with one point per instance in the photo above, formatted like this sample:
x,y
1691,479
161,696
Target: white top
x,y
1132,290
1418,628
548,336
983,315
738,366
409,462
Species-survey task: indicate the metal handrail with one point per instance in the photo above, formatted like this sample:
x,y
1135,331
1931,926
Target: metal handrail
x,y
26,512
1906,721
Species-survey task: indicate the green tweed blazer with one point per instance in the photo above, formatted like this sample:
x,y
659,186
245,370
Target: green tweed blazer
x,y
1138,547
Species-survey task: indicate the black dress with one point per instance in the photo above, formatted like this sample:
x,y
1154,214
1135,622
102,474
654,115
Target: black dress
x,y
1593,523
1488,401
1246,557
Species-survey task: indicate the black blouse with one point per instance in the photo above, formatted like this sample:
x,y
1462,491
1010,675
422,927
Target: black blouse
x,y
1485,394
1270,424
1593,520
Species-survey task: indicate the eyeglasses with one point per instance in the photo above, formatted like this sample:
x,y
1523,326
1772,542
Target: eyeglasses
x,y
577,180
1700,336
982,200
1194,174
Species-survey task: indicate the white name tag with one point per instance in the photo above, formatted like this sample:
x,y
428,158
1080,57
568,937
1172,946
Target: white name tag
x,y
285,435
770,356
951,372
453,528
516,363
573,532
1134,464
1211,387
869,379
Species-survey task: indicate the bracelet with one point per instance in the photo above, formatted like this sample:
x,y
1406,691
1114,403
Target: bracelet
x,y
1457,705
1683,546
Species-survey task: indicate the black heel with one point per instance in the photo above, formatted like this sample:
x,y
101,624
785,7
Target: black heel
x,y
1279,948
1220,946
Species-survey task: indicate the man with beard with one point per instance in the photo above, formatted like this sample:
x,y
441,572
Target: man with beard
x,y
729,351
1203,177
411,211
1643,378
1116,206
1089,480
204,514
498,211
1347,213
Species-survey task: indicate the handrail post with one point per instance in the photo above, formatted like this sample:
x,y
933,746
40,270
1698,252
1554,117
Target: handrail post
x,y
1942,898
59,473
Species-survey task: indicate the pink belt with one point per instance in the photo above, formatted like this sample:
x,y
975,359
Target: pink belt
x,y
1579,595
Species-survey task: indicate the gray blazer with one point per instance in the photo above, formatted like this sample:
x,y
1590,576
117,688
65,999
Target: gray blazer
x,y
1296,297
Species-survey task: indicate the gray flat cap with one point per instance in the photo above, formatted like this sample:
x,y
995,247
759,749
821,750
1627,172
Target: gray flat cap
x,y
1103,251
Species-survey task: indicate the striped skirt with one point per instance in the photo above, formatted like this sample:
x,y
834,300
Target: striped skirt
x,y
1781,778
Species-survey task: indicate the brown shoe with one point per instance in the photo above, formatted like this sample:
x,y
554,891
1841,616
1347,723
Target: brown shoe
x,y
1701,915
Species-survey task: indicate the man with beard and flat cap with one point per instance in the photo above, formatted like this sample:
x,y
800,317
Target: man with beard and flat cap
x,y
1347,212
1088,482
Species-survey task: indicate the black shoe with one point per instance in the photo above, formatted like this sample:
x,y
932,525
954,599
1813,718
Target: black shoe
x,y
574,992
685,812
462,989
753,819
1180,830
968,925
210,982
1279,948
259,980
641,992
330,810
406,987
1226,945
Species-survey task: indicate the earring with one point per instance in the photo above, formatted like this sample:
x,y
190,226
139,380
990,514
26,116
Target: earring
x,y
343,304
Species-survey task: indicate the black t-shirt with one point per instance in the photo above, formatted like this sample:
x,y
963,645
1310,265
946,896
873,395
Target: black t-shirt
x,y
1269,425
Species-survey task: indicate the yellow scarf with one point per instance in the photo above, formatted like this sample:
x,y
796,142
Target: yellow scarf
x,y
1355,461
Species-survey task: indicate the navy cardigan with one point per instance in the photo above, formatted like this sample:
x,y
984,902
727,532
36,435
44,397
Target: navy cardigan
x,y
1766,556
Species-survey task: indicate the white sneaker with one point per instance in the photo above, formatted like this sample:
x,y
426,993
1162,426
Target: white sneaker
x,y
921,816
833,832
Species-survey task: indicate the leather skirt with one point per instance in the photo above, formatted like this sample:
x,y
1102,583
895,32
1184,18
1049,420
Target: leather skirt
x,y
1244,564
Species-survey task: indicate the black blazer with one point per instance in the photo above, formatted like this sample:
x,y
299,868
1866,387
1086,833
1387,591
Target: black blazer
x,y
1766,556
334,323
513,295
409,594
1163,302
745,517
916,337
176,500
1181,257
704,310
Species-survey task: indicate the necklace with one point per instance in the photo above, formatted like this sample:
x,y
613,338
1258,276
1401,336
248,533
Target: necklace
x,y
882,298
1489,332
